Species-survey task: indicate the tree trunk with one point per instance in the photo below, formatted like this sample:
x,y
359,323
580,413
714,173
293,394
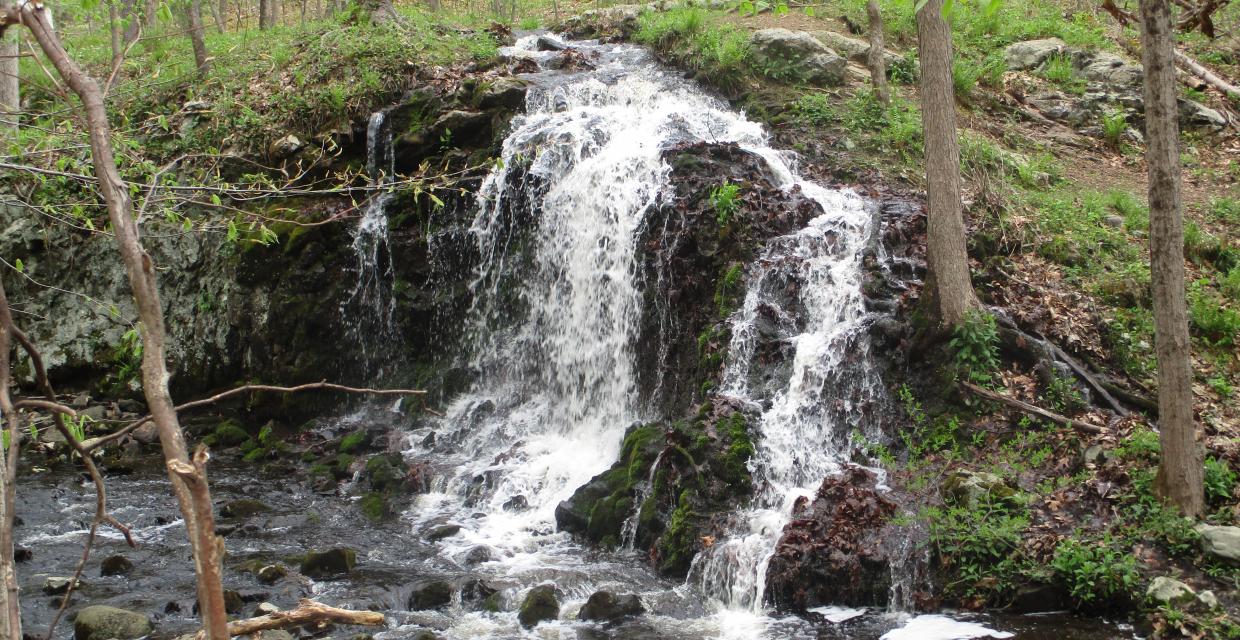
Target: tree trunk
x,y
114,23
949,290
133,21
264,14
874,59
10,606
150,15
221,16
277,12
141,272
194,15
1180,466
10,91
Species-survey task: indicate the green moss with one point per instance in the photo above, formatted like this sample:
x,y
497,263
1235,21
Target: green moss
x,y
230,434
352,442
679,544
375,507
739,450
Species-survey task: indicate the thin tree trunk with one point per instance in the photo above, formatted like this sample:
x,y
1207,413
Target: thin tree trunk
x,y
1180,466
133,25
141,272
264,14
10,90
150,15
194,15
221,16
277,13
114,23
948,290
874,59
10,605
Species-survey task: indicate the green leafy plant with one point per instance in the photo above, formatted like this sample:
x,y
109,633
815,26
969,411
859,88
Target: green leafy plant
x,y
1095,572
981,546
1114,124
976,346
725,198
1220,480
1062,395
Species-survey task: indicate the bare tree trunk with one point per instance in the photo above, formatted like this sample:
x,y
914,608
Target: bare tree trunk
x,y
948,290
194,16
874,59
1180,467
10,90
133,26
277,13
264,14
114,23
141,272
221,16
10,605
150,15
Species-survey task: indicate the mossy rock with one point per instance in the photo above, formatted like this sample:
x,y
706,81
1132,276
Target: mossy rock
x,y
540,604
107,623
375,507
329,564
355,441
229,434
243,508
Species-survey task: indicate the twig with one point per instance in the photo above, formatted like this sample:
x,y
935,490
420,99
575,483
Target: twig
x,y
46,405
1085,375
95,443
306,612
1032,409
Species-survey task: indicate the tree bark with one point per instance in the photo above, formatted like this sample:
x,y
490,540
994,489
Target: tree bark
x,y
194,12
10,606
874,59
277,12
114,23
264,14
10,90
133,25
221,16
150,14
141,274
949,290
1180,468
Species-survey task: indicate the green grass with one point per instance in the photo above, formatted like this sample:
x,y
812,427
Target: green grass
x,y
717,50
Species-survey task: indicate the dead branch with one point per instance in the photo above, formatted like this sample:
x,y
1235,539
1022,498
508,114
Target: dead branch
x,y
95,443
307,612
1084,374
1032,409
1209,77
46,405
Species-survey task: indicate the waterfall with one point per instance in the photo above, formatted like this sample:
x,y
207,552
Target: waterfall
x,y
371,304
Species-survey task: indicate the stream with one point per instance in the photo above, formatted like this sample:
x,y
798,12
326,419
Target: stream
x,y
557,303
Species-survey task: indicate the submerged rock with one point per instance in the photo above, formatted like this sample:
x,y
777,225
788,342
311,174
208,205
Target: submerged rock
x,y
107,623
117,565
243,508
55,586
270,574
443,531
432,595
1166,590
832,552
607,606
330,563
540,604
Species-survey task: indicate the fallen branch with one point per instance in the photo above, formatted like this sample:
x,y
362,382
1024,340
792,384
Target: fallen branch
x,y
1210,78
307,612
1032,409
1132,398
95,443
1089,379
46,405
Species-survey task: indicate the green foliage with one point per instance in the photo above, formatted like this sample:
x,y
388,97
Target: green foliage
x,y
1095,572
927,435
353,441
980,544
976,347
1060,71
1141,444
1220,480
726,201
1114,124
717,50
815,108
1225,209
895,128
727,292
1210,317
1062,395
965,76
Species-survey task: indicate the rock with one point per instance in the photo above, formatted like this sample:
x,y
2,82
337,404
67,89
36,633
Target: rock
x,y
967,487
243,508
463,125
443,531
80,401
832,552
432,595
1040,598
329,563
1170,591
1107,68
549,43
108,623
477,592
22,554
276,634
1222,543
117,565
516,503
426,634
799,55
477,555
1208,599
286,147
1031,54
271,573
233,602
854,49
506,92
94,412
55,586
1115,222
607,606
540,604
1193,114
265,608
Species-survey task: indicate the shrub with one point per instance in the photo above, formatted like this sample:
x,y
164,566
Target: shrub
x,y
1220,480
965,75
1095,572
981,546
976,346
1114,124
725,198
1213,321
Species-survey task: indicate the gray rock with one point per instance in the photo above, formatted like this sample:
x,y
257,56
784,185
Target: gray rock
x,y
431,595
1031,54
1222,543
1170,591
799,55
1095,452
243,508
108,623
1193,114
1208,599
286,147
271,573
329,563
855,49
540,604
1107,68
233,602
55,586
607,606
116,565
275,634
968,487
95,412
265,608
506,92
443,531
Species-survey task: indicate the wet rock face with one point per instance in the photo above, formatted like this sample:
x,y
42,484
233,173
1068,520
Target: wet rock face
x,y
832,551
540,604
607,606
329,564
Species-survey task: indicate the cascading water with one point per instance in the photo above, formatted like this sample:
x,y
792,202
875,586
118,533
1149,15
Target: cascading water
x,y
371,304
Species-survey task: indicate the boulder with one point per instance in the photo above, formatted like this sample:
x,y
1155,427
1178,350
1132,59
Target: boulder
x,y
265,608
286,147
540,604
55,586
1107,68
967,487
329,563
243,508
431,595
1208,600
1221,543
606,606
1194,115
1166,590
855,49
108,623
443,531
1032,54
797,55
233,602
117,565
506,92
270,574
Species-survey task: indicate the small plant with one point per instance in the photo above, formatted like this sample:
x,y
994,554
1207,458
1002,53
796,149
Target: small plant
x,y
1220,480
1062,395
1141,444
1114,125
965,76
976,346
1095,572
982,545
1212,320
1221,386
725,198
1225,209
1059,70
529,23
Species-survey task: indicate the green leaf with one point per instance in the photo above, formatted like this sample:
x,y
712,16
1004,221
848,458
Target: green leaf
x,y
233,234
215,199
809,12
21,267
165,13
